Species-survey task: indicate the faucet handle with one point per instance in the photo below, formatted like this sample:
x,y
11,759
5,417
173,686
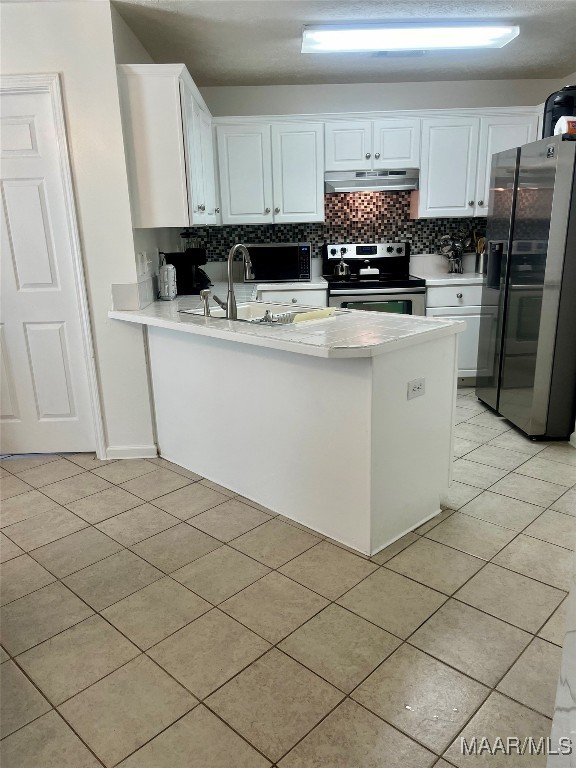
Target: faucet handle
x,y
205,296
205,293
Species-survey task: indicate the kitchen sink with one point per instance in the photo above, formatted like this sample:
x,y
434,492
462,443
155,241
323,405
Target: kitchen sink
x,y
267,313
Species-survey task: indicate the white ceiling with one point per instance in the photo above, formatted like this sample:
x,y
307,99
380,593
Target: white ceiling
x,y
257,42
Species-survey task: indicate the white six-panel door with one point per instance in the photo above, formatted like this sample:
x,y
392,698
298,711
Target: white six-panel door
x,y
46,403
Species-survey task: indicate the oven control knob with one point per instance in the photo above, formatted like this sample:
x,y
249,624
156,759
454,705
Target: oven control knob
x,y
399,249
343,251
389,249
333,251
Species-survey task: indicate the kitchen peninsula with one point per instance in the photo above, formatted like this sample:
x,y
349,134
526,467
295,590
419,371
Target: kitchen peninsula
x,y
310,419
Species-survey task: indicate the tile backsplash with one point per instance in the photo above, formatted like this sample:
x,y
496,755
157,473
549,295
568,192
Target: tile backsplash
x,y
350,217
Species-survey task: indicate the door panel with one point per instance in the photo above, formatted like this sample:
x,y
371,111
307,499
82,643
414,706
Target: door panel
x,y
475,355
46,403
347,144
396,143
298,172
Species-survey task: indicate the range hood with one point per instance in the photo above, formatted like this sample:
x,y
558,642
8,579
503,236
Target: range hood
x,y
371,181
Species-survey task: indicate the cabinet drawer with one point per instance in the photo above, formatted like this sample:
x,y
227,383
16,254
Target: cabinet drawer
x,y
454,296
313,298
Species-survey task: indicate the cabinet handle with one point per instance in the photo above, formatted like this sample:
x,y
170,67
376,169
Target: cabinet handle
x,y
481,202
368,155
294,301
216,210
202,208
470,202
458,295
266,210
377,155
276,210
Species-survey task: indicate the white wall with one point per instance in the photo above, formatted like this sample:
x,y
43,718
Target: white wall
x,y
75,39
367,97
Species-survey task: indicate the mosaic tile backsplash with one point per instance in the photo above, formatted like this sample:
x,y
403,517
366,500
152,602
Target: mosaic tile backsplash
x,y
350,217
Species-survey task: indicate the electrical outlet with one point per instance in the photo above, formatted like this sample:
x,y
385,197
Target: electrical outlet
x,y
416,388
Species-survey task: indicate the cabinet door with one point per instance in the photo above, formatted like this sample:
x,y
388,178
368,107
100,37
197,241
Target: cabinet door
x,y
448,168
207,151
348,145
472,361
496,135
298,172
305,298
191,124
245,164
396,143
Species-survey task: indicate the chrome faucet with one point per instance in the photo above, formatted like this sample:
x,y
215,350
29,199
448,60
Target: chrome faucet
x,y
231,310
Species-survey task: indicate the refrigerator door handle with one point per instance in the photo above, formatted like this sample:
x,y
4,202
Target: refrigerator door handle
x,y
494,265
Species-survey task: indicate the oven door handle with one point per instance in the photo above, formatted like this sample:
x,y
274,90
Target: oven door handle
x,y
377,292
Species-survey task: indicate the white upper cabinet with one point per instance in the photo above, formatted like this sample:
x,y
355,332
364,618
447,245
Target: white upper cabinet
x,y
244,157
396,143
496,135
271,172
448,167
348,145
298,172
167,136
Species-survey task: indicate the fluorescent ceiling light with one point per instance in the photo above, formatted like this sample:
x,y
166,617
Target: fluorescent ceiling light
x,y
335,38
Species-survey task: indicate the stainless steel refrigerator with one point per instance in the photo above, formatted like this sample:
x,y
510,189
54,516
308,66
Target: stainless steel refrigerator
x,y
531,276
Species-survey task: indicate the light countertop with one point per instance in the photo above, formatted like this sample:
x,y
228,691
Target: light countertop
x,y
347,334
439,279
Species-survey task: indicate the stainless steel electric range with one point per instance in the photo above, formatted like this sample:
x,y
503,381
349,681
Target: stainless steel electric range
x,y
374,277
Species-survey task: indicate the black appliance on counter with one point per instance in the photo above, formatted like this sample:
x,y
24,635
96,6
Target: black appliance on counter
x,y
278,262
374,277
190,278
557,105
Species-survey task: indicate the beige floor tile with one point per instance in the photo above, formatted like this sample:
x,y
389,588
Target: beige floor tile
x,y
502,510
274,606
101,506
274,703
529,489
352,737
463,414
198,740
21,463
340,646
176,547
500,717
76,487
216,487
328,570
433,522
74,552
534,678
462,447
229,520
164,464
47,742
20,701
3,656
38,616
220,574
494,456
42,529
189,501
479,475
477,644
555,628
120,713
51,472
555,528
405,541
476,537
491,420
565,453
552,471
76,658
421,696
20,576
154,612
275,543
435,565
25,505
8,550
256,505
137,524
458,494
122,471
87,460
392,601
205,654
539,560
471,430
566,503
516,441
511,597
11,486
154,484
112,579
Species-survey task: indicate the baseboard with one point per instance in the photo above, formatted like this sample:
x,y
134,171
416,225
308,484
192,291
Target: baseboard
x,y
131,452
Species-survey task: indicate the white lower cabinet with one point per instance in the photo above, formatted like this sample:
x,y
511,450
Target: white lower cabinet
x,y
470,362
315,297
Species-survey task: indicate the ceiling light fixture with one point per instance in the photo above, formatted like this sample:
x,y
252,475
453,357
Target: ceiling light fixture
x,y
351,38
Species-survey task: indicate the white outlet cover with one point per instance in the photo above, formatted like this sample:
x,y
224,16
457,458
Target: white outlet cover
x,y
416,388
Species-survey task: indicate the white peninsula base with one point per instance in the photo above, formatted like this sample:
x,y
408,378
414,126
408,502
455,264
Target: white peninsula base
x,y
331,442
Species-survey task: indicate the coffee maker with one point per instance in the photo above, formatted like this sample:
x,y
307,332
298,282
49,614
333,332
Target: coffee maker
x,y
190,278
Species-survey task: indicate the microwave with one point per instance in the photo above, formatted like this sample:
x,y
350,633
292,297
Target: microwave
x,y
278,262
